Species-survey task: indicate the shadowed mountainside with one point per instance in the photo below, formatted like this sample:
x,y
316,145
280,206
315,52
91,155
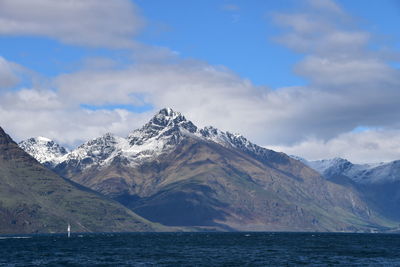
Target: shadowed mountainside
x,y
34,199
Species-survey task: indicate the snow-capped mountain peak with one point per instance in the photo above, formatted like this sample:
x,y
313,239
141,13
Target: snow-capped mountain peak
x,y
359,173
331,166
44,150
163,132
100,147
167,116
165,124
97,151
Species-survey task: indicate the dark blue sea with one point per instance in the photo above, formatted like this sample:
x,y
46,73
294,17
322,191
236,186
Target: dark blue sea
x,y
201,249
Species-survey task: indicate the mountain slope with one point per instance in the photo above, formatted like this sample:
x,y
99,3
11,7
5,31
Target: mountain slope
x,y
172,172
34,199
211,185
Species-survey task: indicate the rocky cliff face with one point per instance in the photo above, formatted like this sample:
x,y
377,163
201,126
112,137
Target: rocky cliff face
x,y
172,172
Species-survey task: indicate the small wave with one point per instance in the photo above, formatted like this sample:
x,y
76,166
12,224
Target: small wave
x,y
15,237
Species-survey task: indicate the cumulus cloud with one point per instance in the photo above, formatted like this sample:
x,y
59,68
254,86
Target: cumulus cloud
x,y
80,22
349,84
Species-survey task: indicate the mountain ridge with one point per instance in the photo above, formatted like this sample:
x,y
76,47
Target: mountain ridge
x,y
172,172
146,141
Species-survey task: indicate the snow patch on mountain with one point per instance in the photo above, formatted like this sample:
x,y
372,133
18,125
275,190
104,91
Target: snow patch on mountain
x,y
93,152
44,150
359,173
238,141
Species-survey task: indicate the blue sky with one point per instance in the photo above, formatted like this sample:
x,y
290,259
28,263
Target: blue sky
x,y
237,34
290,75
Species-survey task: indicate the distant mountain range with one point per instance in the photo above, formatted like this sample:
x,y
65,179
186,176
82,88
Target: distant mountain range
x,y
378,184
376,173
172,172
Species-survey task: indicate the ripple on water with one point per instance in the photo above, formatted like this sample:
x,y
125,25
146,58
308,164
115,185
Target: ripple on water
x,y
201,249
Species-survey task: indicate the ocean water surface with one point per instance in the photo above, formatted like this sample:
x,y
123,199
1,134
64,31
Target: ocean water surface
x,y
201,249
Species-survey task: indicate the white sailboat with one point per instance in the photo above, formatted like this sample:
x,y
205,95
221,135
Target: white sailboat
x,y
69,230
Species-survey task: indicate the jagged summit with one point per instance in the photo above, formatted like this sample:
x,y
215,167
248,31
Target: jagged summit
x,y
107,139
168,127
95,151
166,117
44,150
166,124
170,113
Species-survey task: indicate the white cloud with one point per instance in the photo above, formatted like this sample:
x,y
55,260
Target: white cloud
x,y
31,99
370,146
83,22
326,72
350,84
